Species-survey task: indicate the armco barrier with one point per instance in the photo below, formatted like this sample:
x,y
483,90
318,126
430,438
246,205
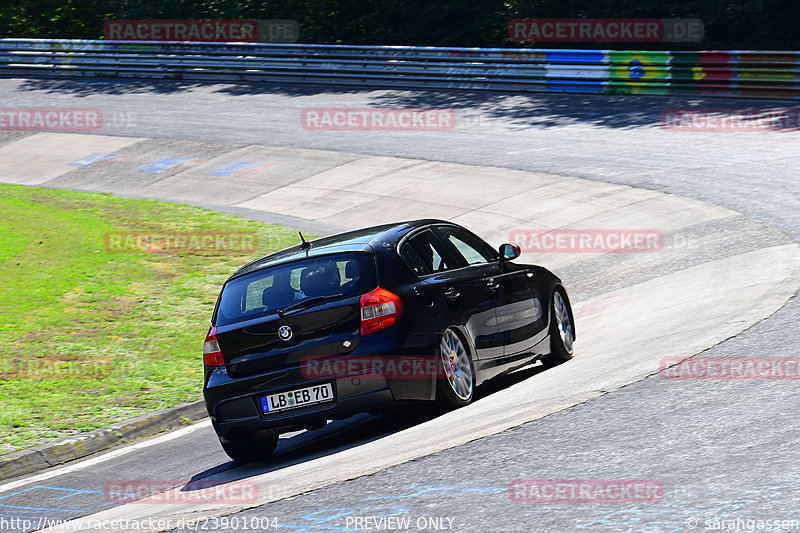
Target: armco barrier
x,y
712,73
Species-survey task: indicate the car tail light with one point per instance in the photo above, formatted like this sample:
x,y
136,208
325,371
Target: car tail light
x,y
212,356
379,310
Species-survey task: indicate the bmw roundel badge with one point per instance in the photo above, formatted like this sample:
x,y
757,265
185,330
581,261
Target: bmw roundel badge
x,y
285,333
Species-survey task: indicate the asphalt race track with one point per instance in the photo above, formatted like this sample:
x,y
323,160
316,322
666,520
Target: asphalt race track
x,y
723,284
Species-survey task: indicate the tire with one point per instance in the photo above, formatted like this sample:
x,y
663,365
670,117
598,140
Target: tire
x,y
562,330
456,384
250,450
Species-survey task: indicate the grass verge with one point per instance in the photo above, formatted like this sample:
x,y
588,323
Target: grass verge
x,y
102,317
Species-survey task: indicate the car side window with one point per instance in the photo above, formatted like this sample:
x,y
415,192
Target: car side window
x,y
472,249
424,253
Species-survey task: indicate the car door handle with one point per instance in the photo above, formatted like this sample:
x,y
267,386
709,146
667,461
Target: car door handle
x,y
451,293
423,295
493,285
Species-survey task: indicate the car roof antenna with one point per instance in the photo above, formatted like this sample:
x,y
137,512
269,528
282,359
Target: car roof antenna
x,y
305,245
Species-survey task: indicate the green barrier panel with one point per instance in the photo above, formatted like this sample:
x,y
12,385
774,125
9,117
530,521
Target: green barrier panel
x,y
702,73
768,75
702,67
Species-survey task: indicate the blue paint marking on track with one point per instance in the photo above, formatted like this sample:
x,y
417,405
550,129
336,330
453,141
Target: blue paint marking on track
x,y
61,489
26,508
233,168
164,164
18,515
14,513
91,159
72,492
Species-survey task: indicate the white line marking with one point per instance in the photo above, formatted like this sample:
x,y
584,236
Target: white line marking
x,y
103,458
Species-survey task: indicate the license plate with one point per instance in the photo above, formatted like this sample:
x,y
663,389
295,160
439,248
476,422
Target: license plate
x,y
297,398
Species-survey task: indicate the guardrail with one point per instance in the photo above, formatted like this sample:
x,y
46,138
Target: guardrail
x,y
714,73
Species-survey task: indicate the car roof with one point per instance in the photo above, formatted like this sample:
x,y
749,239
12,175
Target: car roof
x,y
360,240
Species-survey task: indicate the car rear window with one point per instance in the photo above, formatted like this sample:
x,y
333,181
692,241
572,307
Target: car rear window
x,y
266,291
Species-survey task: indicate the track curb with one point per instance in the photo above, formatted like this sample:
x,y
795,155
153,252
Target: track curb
x,y
51,454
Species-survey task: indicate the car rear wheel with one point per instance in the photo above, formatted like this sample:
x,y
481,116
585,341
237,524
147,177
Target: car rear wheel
x,y
456,384
562,330
250,450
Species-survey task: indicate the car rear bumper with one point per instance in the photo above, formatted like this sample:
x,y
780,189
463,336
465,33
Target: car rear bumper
x,y
234,404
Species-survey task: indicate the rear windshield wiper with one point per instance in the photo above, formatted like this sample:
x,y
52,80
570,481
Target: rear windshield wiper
x,y
309,302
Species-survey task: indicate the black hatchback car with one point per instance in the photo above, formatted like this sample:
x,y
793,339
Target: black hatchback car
x,y
360,321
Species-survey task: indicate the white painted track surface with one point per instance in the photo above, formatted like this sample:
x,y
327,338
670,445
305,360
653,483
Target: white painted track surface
x,y
635,308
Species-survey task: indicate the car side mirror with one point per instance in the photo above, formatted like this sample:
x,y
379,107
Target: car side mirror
x,y
509,252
